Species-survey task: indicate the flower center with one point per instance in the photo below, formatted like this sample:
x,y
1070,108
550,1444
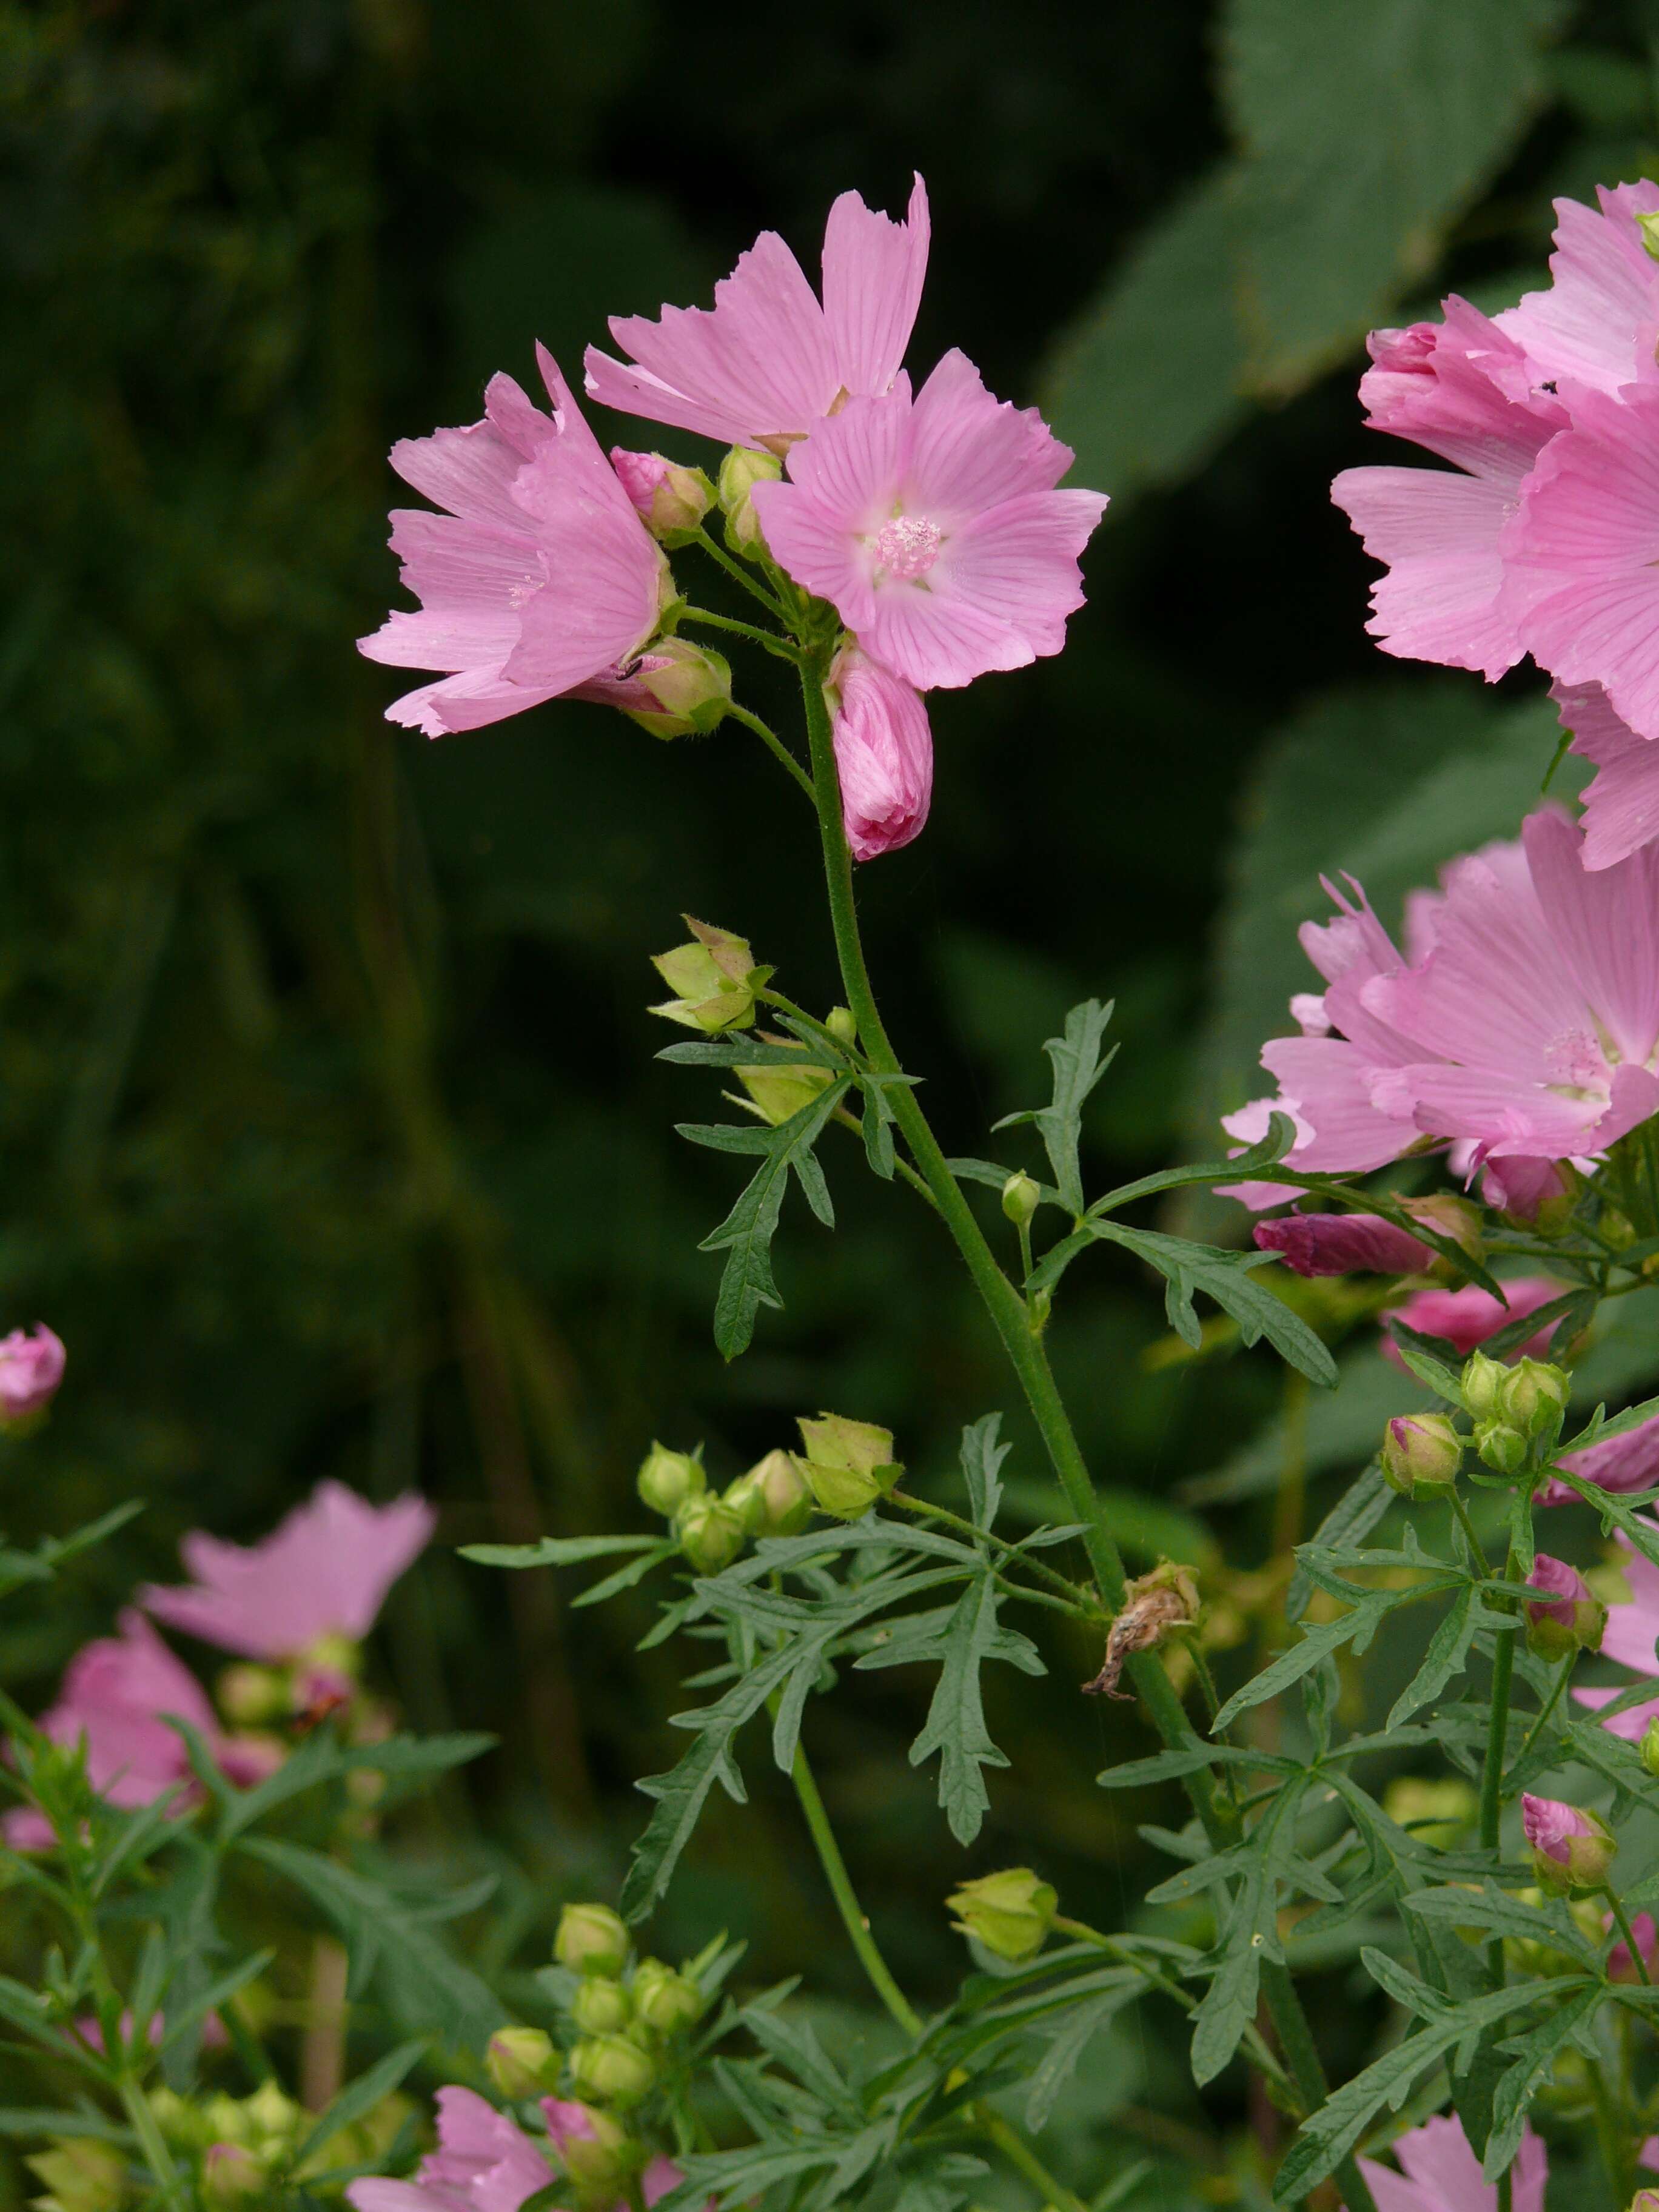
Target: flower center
x,y
907,546
1575,1059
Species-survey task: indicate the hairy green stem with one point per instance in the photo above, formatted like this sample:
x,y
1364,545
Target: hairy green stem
x,y
775,745
1081,1602
1550,1704
1498,1740
770,639
735,568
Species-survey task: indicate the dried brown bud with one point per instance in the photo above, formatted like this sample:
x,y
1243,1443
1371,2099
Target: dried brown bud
x,y
1154,1606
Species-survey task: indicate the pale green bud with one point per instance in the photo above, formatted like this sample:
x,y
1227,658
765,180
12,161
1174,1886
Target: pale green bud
x,y
601,2006
1648,226
1482,1384
710,1533
1020,1199
251,1696
691,683
847,1465
611,2069
666,2001
1534,1398
522,2062
741,471
669,499
667,1478
1650,1749
1420,1452
1502,1448
80,2175
231,2174
591,1939
1010,1913
787,1502
843,1025
780,1093
714,979
599,2159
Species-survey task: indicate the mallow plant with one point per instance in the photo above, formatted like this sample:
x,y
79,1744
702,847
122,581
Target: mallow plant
x,y
1460,1148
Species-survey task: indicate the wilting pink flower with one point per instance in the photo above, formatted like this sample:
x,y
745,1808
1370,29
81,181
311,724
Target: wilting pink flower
x,y
1595,324
1533,1021
1440,2173
1626,1463
324,1572
1467,1318
768,361
538,582
115,1695
1464,389
1343,1244
934,527
884,755
31,1368
1562,1836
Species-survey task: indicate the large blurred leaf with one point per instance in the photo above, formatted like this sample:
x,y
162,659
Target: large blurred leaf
x,y
1367,127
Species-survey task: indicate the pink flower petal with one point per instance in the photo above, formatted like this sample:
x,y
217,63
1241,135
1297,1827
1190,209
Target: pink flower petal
x,y
1621,802
1439,535
873,270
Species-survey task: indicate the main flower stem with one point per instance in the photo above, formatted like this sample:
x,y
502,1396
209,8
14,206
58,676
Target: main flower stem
x,y
1023,1346
990,2123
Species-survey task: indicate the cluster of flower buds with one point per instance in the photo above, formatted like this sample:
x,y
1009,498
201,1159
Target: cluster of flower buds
x,y
621,2019
1567,1616
712,1529
241,2147
1009,1914
1518,1411
714,979
847,1465
1571,1848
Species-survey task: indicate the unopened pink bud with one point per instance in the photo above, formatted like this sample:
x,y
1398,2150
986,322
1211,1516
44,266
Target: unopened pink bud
x,y
671,500
884,754
1420,1451
1343,1244
1567,1615
1538,1193
1571,1848
31,1368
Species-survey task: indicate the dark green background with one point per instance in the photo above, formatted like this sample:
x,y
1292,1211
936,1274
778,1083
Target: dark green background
x,y
332,1141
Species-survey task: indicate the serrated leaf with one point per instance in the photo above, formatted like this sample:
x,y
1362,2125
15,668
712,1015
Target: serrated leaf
x,y
554,1551
1535,2056
981,1462
1068,2042
1351,1519
1226,1277
955,1727
1447,1653
1078,1066
1356,1627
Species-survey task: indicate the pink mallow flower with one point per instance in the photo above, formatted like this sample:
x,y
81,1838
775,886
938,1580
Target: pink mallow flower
x,y
485,2163
31,1368
115,1695
1592,327
1343,1244
1440,2173
934,527
1630,1633
884,754
767,361
1467,1318
539,582
322,1574
1621,1464
1621,800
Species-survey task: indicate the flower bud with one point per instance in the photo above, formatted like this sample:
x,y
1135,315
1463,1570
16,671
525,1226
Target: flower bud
x,y
522,2062
601,2006
1420,1451
667,1478
666,2001
1439,1812
847,1465
231,2173
741,471
1646,2200
1530,1193
251,1696
591,1939
1502,1448
1648,226
80,2174
1342,1244
843,1025
671,499
1020,1199
785,1500
1649,1748
1452,1218
1010,1913
691,685
1534,1398
1571,1848
778,1093
710,1533
714,979
31,1368
612,2069
1567,1615
1482,1385
592,2146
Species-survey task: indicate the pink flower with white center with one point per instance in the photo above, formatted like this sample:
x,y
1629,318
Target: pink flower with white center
x,y
934,527
1595,324
1440,2173
321,1576
1464,389
31,1368
1532,1024
539,582
1621,800
767,361
884,754
1343,1244
1621,1464
1467,1318
115,1697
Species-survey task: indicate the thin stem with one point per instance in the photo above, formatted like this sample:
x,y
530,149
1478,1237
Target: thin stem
x,y
1081,1603
1629,1934
770,639
1554,1699
1497,1738
157,2156
1609,2135
775,745
735,568
1018,2152
1461,1513
903,1168
1290,1502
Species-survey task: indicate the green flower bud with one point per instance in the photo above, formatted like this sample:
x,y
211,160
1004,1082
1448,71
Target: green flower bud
x,y
611,2069
1440,1812
231,2174
595,2152
667,1478
741,471
1648,226
710,1533
1502,1448
671,499
80,2175
847,1465
1534,1398
1646,2200
591,1939
843,1025
714,980
1020,1199
601,2006
1565,1615
666,2001
1482,1384
1421,1452
785,1502
251,1697
778,1093
522,2062
1010,1913
1650,1749
691,683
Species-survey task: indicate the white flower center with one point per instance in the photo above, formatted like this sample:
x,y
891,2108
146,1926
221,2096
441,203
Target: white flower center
x,y
907,546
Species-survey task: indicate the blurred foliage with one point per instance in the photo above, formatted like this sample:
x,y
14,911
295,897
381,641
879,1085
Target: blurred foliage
x,y
334,1142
